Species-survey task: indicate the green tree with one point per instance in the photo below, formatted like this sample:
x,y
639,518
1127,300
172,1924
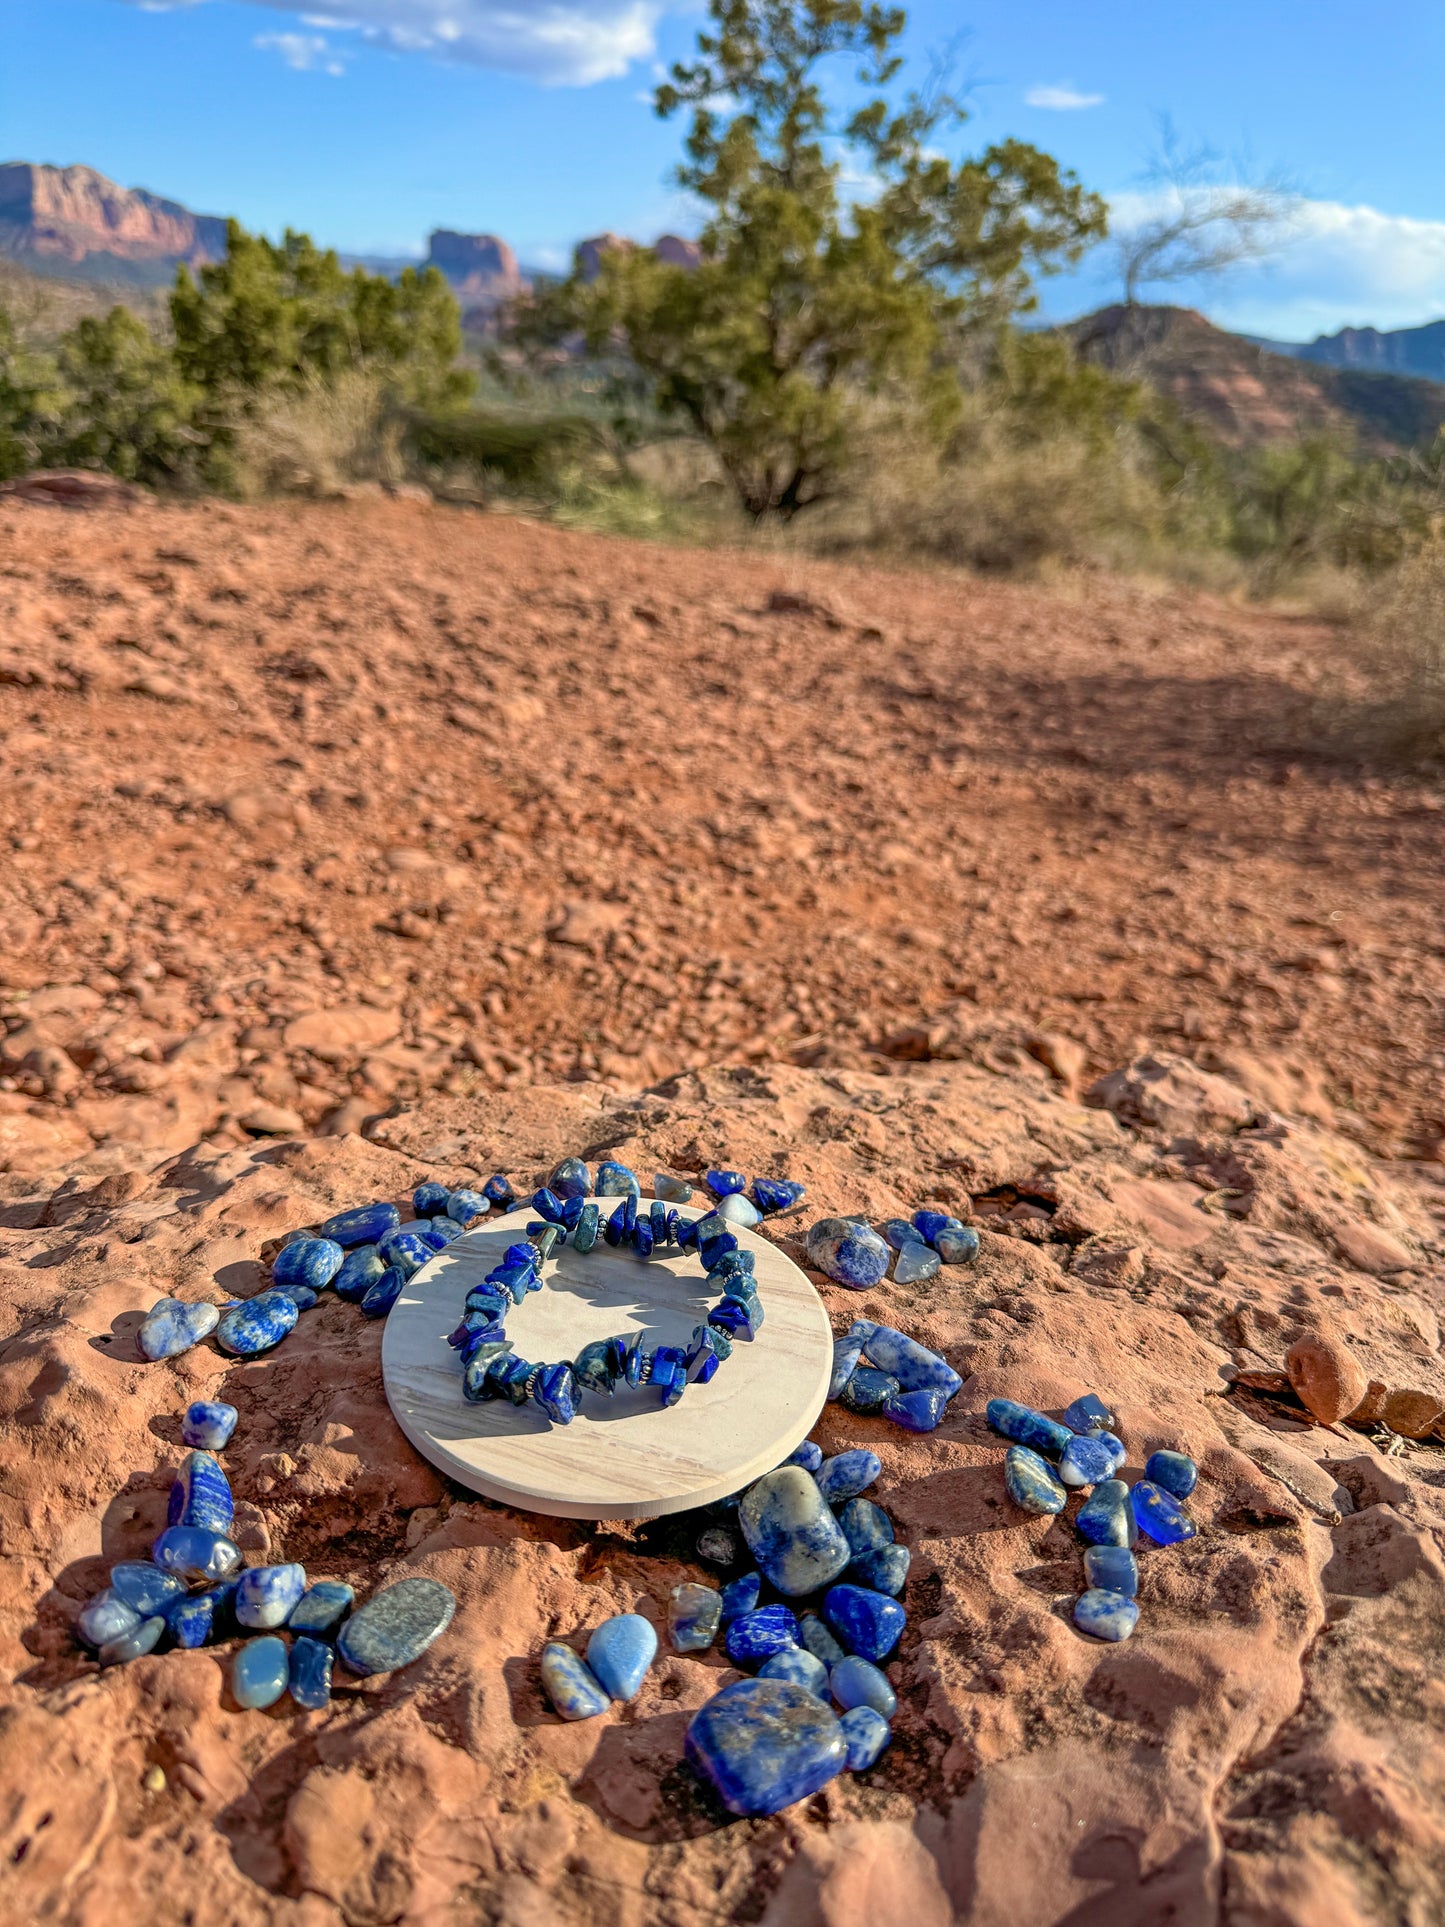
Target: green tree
x,y
31,401
807,303
126,406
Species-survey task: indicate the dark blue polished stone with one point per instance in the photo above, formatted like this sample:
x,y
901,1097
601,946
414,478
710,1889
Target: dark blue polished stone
x,y
763,1744
555,1393
359,1273
866,1734
884,1570
428,1199
498,1193
708,1349
368,1224
669,1373
915,1367
866,1527
310,1261
600,1365
309,1676
301,1296
199,1616
434,1240
616,1180
194,1555
144,1587
381,1296
723,1184
201,1495
737,1317
920,1411
1105,1518
1177,1474
728,1264
1025,1426
846,1353
867,1389
1106,1615
776,1194
1090,1459
850,1473
1112,1569
321,1607
849,1253
172,1327
1159,1514
570,1179
549,1206
447,1229
793,1536
478,1382
899,1232
809,1455
761,1633
663,1223
741,1597
406,1251
256,1324
260,1671
868,1623
396,1626
619,1225
930,1221
1088,1414
642,1239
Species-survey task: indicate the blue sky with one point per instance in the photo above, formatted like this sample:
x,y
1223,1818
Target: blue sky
x,y
371,122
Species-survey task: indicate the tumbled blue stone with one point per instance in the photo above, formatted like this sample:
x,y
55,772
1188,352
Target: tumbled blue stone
x,y
1088,1459
405,1250
434,1241
1159,1514
368,1223
447,1230
1106,1615
858,1682
815,1638
616,1181
849,1253
1030,1482
301,1296
145,1588
809,1455
321,1607
309,1676
267,1595
1177,1474
465,1206
898,1232
359,1272
260,1672
172,1327
1025,1426
256,1324
883,1570
916,1264
310,1261
194,1554
866,1526
915,1367
1089,1414
741,1596
498,1193
584,1235
792,1534
723,1184
776,1194
671,1190
846,1353
396,1626
197,1617
959,1247
763,1744
1105,1518
570,1685
868,1623
570,1179
620,1651
761,1633
134,1644
866,1734
868,1389
381,1296
930,1221
428,1199
104,1618
694,1614
201,1495
736,1209
800,1667
920,1411
1112,1569
555,1392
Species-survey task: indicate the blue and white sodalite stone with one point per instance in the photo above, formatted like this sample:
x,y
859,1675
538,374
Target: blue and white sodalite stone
x,y
849,1253
198,1617
396,1625
694,1614
1112,1569
405,1250
1089,1414
899,1232
1025,1426
322,1607
569,1685
1029,1481
145,1588
260,1672
208,1424
379,1298
868,1623
814,1637
915,1367
1159,1514
142,1639
104,1618
959,1247
466,1206
846,1353
868,1390
266,1595
195,1555
1174,1471
201,1495
256,1324
858,1682
310,1261
866,1734
1090,1459
846,1475
171,1327
741,1596
798,1665
427,1199
866,1527
920,1411
916,1264
885,1570
359,1272
615,1180
761,1633
309,1674
620,1651
368,1224
809,1455
1106,1615
1105,1518
792,1534
763,1744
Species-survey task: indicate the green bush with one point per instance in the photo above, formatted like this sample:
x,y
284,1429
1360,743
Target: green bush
x,y
127,407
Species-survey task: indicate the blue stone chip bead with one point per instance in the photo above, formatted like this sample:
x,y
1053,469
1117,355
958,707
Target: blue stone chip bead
x,y
359,1272
657,1218
642,1237
1159,1514
858,1682
849,1473
866,1526
915,1367
761,1633
1089,1413
309,1677
928,1222
570,1685
1106,1518
619,1653
104,1618
1172,1470
555,1391
498,1193
201,1495
868,1391
883,1570
776,1194
141,1639
1112,1569
256,1324
898,1232
1089,1459
144,1587
478,1380
584,1235
396,1625
694,1614
616,1181
195,1555
598,1366
671,1190
849,1253
868,1623
741,1596
551,1207
958,1247
322,1607
809,1455
669,1373
814,1637
798,1665
846,1353
267,1595
762,1744
570,1179
916,1264
405,1250
1106,1615
381,1296
310,1261
791,1532
369,1223
866,1734
1025,1426
172,1327
723,1184
464,1206
1030,1482
260,1672
428,1199
920,1411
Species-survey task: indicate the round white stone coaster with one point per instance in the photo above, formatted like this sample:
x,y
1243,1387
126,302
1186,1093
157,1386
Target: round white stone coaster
x,y
624,1457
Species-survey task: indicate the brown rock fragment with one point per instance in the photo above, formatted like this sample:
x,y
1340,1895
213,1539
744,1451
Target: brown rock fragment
x,y
1414,1415
1329,1380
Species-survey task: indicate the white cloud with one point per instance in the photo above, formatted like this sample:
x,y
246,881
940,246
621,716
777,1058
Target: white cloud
x,y
306,53
569,43
1064,98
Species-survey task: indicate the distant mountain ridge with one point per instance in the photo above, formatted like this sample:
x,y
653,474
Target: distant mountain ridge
x,y
74,222
1394,351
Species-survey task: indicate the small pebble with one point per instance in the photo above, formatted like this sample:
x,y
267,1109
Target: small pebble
x,y
1025,1426
1107,1615
144,1587
257,1324
734,1208
763,1744
369,1222
670,1190
201,1495
426,1201
915,1367
868,1623
741,1596
267,1595
619,1653
209,1424
815,1638
301,1296
396,1625
141,1639
1089,1414
321,1607
799,1666
898,1232
725,1184
1089,1459
310,1261
154,1779
570,1686
866,1735
1105,1518
694,1616
718,1546
466,1206
172,1328
617,1181
570,1179
959,1247
919,1411
359,1272
1176,1473
260,1672
1158,1513
195,1555
846,1353
104,1618
866,1526
868,1390
858,1682
193,1619
916,1264
381,1296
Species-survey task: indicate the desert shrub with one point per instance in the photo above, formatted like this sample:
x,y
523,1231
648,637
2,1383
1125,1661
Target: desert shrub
x,y
31,401
125,406
316,436
520,451
1404,653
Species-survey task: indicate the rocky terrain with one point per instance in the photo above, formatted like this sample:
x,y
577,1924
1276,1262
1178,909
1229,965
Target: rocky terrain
x,y
361,843
72,220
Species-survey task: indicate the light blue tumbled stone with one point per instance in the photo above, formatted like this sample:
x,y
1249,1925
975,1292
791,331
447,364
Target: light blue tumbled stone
x,y
866,1526
140,1640
849,1473
1025,1426
310,1261
570,1685
256,1324
1089,1459
694,1614
866,1734
1029,1481
201,1495
792,1534
1112,1569
1105,1518
266,1595
1177,1474
884,1570
798,1665
309,1674
868,1623
195,1555
614,1180
809,1455
466,1206
366,1225
846,1353
1089,1413
260,1672
321,1607
104,1618
620,1651
915,1367
959,1247
763,1744
1106,1615
359,1272
209,1424
1159,1514
759,1634
814,1637
741,1596
736,1209
898,1232
858,1682
396,1625
145,1587
671,1190
849,1253
916,1264
404,1251
172,1327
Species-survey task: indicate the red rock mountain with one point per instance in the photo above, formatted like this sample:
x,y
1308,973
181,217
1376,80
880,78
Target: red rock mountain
x,y
481,268
73,222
